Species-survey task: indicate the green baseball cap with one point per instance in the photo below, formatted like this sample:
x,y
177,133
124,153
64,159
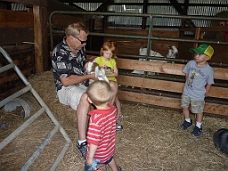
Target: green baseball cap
x,y
203,49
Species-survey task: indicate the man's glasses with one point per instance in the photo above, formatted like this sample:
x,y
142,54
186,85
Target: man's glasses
x,y
82,42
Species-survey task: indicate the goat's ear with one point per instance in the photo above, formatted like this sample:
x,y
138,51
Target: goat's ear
x,y
94,65
90,58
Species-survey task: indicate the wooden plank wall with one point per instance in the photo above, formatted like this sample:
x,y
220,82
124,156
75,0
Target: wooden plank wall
x,y
23,57
16,27
166,92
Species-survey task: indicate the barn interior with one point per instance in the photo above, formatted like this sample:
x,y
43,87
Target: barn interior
x,y
150,81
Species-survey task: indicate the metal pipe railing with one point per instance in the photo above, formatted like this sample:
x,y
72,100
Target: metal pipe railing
x,y
149,37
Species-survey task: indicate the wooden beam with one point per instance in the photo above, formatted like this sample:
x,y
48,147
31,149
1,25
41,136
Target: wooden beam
x,y
40,38
54,5
179,9
185,10
197,37
103,6
165,85
185,6
144,19
164,67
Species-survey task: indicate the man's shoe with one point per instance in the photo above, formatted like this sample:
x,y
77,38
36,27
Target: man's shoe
x,y
196,131
186,125
82,149
118,127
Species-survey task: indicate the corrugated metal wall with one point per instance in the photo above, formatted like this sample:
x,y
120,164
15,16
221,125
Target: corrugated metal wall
x,y
88,6
161,9
18,7
155,9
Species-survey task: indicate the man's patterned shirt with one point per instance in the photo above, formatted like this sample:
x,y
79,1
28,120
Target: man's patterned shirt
x,y
65,63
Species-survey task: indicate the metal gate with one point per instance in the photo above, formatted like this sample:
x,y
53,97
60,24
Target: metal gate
x,y
44,109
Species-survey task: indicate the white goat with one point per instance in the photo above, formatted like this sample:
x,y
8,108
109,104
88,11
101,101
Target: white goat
x,y
172,52
94,68
143,51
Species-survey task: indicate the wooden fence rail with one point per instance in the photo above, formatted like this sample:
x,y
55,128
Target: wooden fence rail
x,y
168,91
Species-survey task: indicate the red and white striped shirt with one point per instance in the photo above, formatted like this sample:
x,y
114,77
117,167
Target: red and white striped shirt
x,y
102,132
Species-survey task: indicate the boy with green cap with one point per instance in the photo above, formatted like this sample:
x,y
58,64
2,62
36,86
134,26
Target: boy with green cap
x,y
199,78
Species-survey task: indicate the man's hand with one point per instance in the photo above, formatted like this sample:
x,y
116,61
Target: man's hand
x,y
93,77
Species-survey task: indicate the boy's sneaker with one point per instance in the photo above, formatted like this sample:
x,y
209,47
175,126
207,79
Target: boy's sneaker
x,y
118,127
82,149
186,125
101,167
196,131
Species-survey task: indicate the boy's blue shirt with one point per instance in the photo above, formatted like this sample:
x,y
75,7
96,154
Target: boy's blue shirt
x,y
198,78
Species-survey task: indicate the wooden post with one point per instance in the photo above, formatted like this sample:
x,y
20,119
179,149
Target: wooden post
x,y
40,38
197,36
